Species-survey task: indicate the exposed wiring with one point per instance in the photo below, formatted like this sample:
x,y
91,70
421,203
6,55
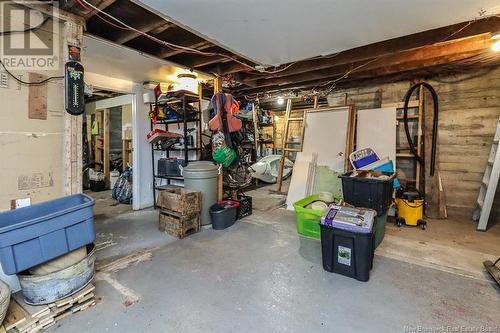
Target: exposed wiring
x,y
37,83
125,26
332,83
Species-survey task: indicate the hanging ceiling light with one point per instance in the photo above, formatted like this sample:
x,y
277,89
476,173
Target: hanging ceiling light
x,y
280,100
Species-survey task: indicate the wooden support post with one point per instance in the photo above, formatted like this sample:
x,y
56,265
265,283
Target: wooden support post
x,y
89,137
199,142
350,139
217,84
255,118
73,125
220,184
98,139
106,146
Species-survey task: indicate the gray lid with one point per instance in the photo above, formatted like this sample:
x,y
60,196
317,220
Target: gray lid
x,y
200,169
201,166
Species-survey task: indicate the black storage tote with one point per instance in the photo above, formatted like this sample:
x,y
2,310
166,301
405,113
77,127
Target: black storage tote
x,y
368,192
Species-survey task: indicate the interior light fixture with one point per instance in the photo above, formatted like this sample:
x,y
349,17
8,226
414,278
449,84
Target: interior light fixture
x,y
187,81
496,43
280,100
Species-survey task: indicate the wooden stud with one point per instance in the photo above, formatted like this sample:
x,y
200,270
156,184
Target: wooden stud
x,y
350,138
89,136
220,183
98,143
106,139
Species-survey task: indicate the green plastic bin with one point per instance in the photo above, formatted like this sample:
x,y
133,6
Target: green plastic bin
x,y
308,219
380,222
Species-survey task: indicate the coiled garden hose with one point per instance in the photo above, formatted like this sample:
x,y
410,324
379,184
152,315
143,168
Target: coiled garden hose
x,y
434,124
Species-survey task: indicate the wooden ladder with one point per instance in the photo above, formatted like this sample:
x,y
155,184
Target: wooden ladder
x,y
286,150
489,184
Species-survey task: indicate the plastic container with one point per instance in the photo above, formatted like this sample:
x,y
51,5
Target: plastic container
x,y
384,165
308,219
49,288
202,176
245,207
97,185
113,178
346,252
359,220
223,214
368,192
378,235
38,233
170,166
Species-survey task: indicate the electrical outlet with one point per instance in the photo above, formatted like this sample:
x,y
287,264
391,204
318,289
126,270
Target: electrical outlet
x,y
19,203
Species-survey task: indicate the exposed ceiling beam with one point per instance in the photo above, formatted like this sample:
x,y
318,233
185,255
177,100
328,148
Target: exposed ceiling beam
x,y
439,53
103,4
227,68
198,46
207,60
124,36
490,24
357,82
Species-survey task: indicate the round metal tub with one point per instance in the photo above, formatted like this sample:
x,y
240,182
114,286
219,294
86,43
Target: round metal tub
x,y
45,289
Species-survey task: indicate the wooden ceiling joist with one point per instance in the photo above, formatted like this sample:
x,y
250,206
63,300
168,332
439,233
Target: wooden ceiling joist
x,y
158,26
430,55
491,24
419,52
103,4
198,46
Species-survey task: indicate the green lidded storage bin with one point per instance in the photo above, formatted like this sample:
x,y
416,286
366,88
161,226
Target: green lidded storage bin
x,y
308,219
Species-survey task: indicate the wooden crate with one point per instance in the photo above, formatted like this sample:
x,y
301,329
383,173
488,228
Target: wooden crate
x,y
178,225
181,201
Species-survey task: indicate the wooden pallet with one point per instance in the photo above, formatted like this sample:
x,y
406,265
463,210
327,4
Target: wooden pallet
x,y
25,318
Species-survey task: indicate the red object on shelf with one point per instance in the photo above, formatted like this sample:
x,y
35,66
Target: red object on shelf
x,y
159,134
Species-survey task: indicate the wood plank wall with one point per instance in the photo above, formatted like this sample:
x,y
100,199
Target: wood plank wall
x,y
469,109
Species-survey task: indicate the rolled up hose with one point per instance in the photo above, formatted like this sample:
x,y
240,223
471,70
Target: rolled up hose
x,y
434,124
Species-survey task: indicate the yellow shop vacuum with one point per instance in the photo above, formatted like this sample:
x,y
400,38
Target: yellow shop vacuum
x,y
410,207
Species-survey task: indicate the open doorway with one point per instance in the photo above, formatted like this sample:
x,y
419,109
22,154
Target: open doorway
x,y
107,151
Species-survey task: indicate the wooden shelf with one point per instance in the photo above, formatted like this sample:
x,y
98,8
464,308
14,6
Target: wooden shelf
x,y
175,121
170,177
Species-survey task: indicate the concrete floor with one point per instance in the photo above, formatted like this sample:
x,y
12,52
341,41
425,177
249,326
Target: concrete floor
x,y
259,275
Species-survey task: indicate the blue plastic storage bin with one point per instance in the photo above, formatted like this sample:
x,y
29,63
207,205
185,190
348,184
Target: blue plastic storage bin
x,y
32,235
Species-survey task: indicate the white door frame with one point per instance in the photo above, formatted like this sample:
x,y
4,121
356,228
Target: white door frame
x,y
142,189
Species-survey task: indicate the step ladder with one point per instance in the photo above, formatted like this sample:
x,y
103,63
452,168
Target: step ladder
x,y
286,150
489,184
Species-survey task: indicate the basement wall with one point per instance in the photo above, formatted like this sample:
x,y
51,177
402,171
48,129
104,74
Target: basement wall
x,y
31,150
469,110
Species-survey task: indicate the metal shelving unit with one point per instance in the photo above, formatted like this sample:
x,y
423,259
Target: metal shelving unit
x,y
184,99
